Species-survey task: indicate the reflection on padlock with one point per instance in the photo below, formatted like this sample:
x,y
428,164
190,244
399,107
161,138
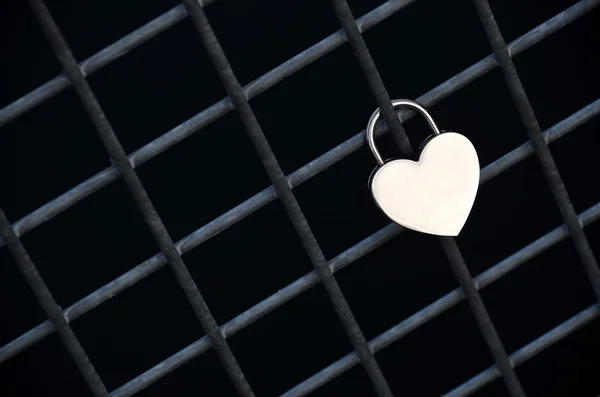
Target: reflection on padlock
x,y
434,195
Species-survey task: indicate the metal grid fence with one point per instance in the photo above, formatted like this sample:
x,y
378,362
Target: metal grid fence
x,y
238,99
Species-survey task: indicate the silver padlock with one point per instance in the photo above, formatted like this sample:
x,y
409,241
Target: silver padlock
x,y
433,195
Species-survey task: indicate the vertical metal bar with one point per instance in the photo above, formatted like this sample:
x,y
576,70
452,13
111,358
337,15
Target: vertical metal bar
x,y
539,143
443,304
144,269
530,350
265,82
51,308
362,54
267,157
365,61
481,316
140,196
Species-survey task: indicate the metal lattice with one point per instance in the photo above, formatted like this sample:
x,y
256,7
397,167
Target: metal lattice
x,y
171,252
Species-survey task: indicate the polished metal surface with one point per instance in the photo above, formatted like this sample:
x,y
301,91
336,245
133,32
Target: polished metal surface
x,y
205,116
434,195
370,131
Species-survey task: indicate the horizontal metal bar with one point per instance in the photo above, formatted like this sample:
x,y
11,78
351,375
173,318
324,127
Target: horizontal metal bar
x,y
371,75
286,195
202,119
151,217
443,304
552,134
160,24
51,308
95,62
453,254
258,311
532,126
182,131
301,175
234,215
309,280
530,350
338,263
482,317
386,233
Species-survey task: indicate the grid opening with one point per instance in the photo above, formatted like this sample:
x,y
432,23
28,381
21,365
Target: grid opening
x,y
519,193
282,32
503,361
570,156
310,315
63,157
98,251
140,326
228,279
422,262
450,334
438,49
521,317
208,169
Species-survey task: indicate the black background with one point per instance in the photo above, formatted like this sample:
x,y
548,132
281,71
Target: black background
x,y
169,79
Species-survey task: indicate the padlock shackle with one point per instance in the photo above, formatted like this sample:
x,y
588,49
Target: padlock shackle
x,y
396,104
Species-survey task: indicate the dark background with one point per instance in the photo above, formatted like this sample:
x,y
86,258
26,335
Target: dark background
x,y
169,79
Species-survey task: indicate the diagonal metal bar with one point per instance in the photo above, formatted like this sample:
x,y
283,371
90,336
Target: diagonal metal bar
x,y
286,69
388,337
221,223
534,131
51,308
371,74
361,52
140,196
487,328
311,279
284,191
320,164
385,233
164,22
178,13
443,304
530,350
92,64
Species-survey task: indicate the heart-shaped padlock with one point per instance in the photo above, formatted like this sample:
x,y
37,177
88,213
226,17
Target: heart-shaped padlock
x,y
434,195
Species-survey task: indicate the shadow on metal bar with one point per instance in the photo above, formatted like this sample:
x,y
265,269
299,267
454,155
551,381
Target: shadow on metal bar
x,y
445,303
209,115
